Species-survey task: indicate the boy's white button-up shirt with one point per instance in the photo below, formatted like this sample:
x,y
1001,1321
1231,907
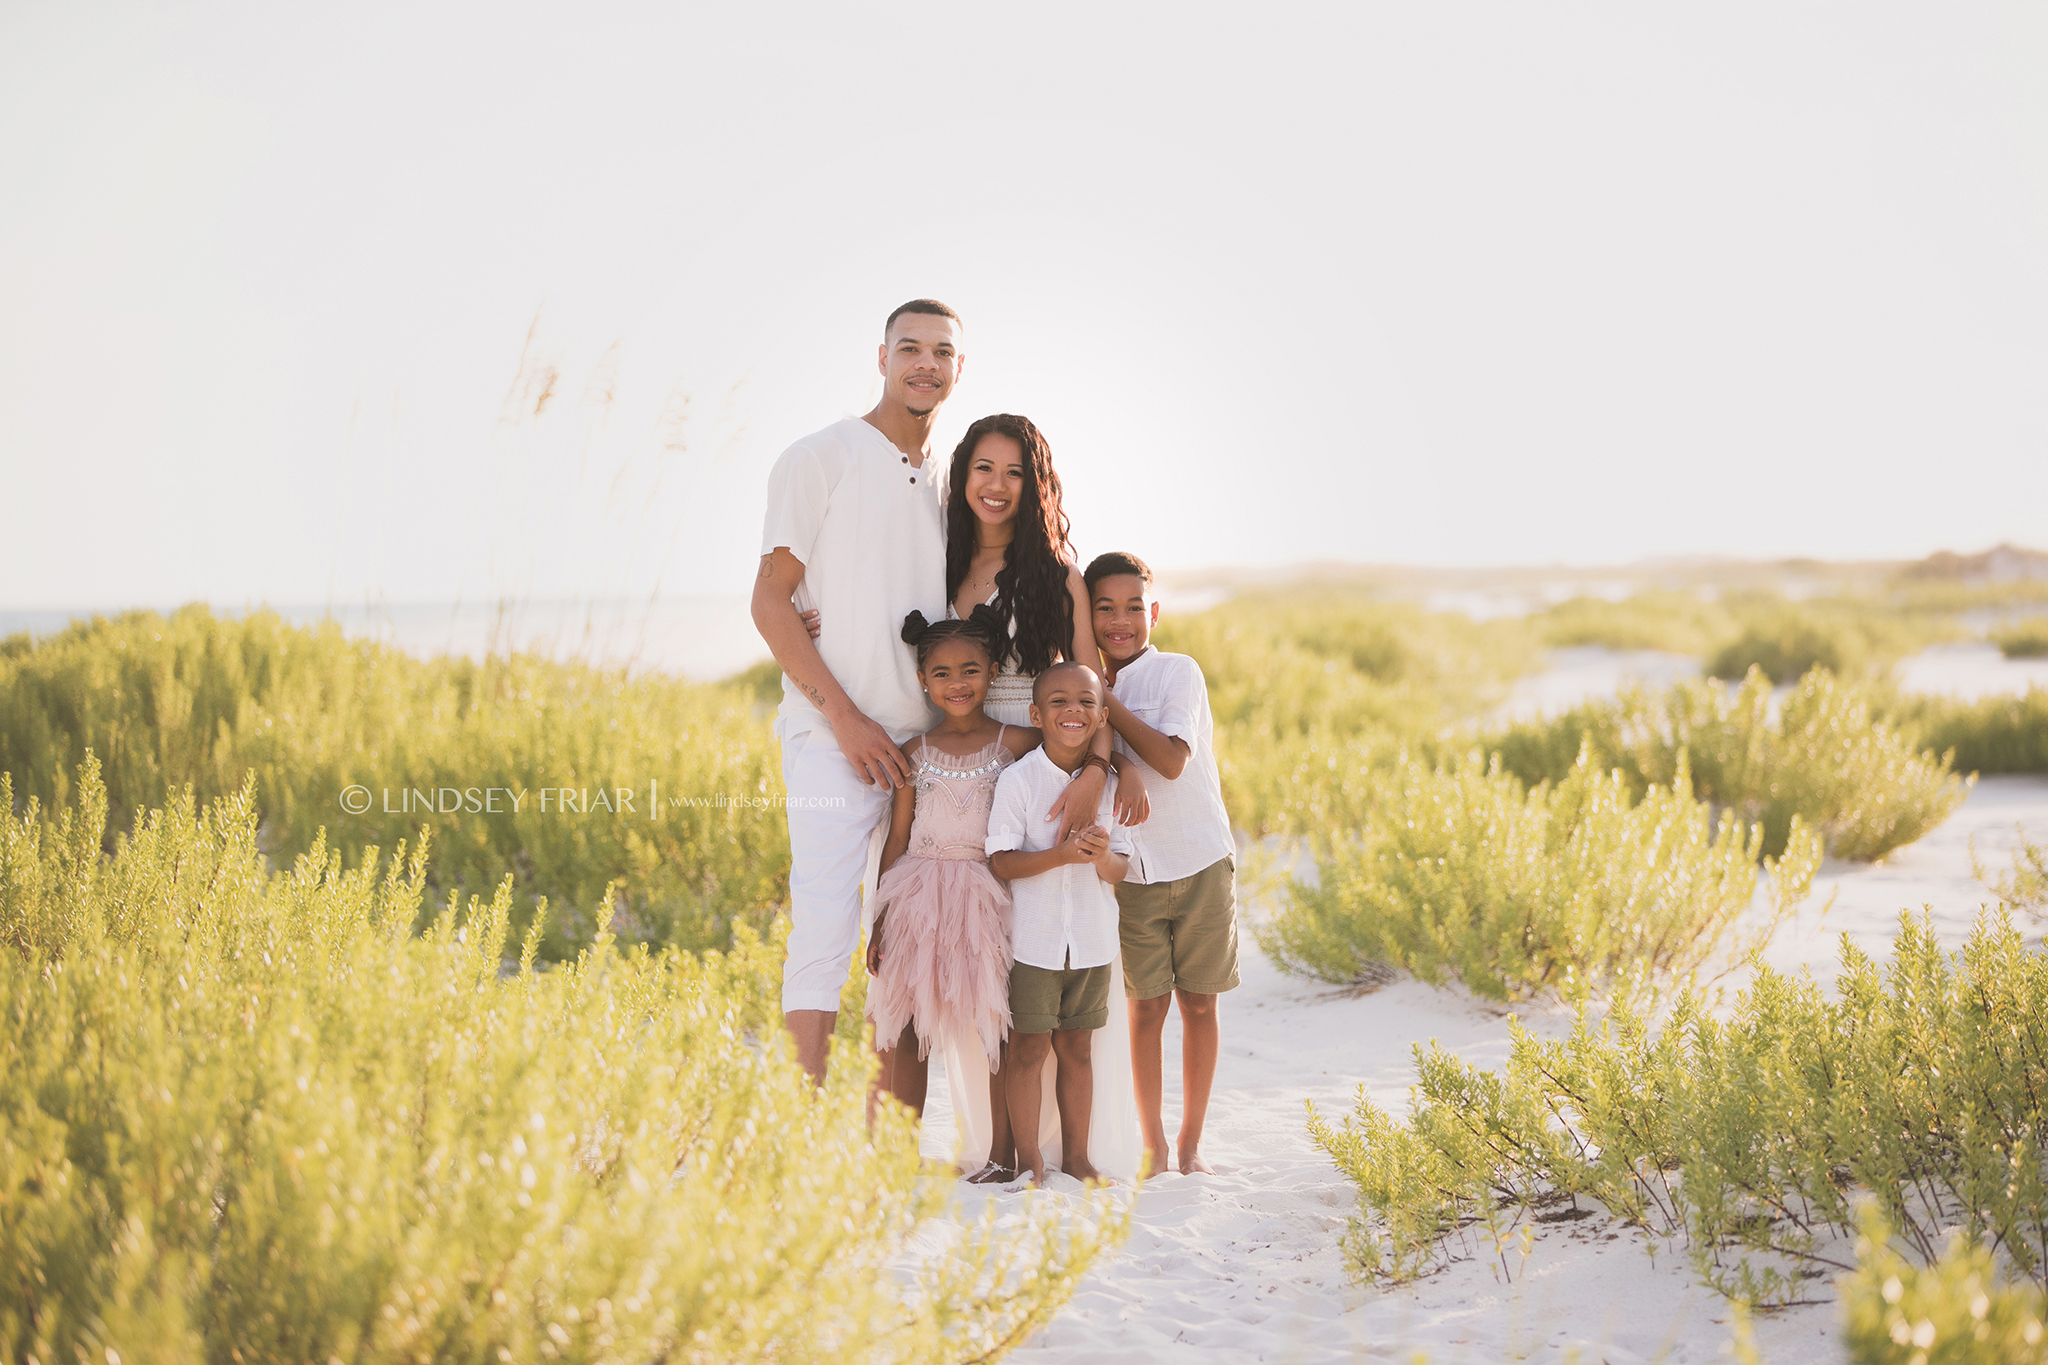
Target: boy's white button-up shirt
x,y
1066,917
1188,829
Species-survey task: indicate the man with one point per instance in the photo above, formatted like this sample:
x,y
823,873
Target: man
x,y
855,531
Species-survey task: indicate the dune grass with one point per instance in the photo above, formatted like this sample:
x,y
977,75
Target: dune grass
x,y
253,1116
1748,1138
565,777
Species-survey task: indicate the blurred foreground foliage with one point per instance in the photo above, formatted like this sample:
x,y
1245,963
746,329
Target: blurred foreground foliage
x,y
249,1116
1954,1311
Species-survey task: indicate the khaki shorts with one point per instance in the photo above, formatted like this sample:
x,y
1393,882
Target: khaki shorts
x,y
1180,935
1042,1001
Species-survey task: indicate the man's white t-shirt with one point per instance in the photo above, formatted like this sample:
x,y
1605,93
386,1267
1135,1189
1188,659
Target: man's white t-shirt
x,y
1188,829
868,528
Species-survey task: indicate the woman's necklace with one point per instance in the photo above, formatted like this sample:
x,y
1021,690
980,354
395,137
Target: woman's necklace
x,y
981,584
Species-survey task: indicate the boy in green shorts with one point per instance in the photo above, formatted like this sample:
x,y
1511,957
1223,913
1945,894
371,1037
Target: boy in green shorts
x,y
1178,902
1063,931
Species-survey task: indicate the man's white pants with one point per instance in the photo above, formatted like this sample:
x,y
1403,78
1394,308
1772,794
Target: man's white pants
x,y
834,823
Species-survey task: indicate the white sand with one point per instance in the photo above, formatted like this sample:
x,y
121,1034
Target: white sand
x,y
1244,1265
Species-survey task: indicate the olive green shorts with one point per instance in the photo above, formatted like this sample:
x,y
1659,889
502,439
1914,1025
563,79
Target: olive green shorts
x,y
1042,1001
1180,935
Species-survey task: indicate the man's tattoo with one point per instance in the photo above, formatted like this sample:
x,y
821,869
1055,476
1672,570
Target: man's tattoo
x,y
817,697
767,566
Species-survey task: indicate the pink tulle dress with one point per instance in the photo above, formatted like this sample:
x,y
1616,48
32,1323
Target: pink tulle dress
x,y
945,916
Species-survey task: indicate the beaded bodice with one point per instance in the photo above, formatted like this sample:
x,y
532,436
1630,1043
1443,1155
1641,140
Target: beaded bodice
x,y
954,795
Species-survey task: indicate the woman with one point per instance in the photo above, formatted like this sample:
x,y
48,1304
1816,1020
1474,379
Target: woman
x,y
1007,547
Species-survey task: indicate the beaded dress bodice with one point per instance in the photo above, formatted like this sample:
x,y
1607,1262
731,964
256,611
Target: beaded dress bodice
x,y
954,795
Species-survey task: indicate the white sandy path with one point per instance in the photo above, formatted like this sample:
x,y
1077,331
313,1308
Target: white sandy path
x,y
1244,1265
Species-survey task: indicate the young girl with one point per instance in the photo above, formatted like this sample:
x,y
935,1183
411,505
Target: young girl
x,y
939,948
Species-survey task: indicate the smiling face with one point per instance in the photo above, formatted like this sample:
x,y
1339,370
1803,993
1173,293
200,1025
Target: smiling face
x,y
1124,616
1066,706
995,479
920,361
956,674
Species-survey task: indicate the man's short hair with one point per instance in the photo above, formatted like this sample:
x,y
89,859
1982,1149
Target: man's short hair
x,y
1115,562
1039,684
932,306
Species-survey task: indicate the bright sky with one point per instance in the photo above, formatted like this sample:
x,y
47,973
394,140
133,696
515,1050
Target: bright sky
x,y
1429,284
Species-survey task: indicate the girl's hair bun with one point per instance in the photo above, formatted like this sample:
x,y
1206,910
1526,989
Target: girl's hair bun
x,y
914,627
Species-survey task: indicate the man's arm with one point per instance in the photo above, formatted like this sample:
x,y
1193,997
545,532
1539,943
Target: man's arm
x,y
1166,754
867,746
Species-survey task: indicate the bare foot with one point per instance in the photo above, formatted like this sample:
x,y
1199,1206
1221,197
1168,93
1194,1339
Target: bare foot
x,y
1081,1170
992,1174
1191,1163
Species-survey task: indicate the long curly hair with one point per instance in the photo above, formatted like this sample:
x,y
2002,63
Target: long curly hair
x,y
1031,587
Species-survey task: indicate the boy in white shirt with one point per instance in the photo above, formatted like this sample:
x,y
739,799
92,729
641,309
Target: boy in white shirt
x,y
1179,902
1064,929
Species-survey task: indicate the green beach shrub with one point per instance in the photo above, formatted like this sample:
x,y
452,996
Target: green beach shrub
x,y
1996,734
1314,691
1461,872
1676,622
1789,643
2026,640
251,1116
2025,887
1953,1312
201,700
1827,758
1748,1138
